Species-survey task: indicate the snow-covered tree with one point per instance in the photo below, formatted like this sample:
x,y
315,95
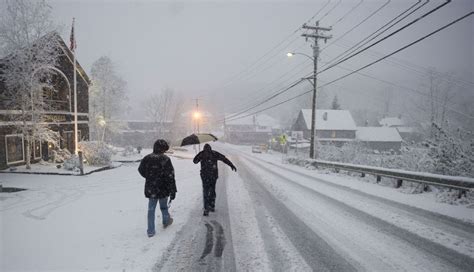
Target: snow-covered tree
x,y
335,104
453,154
28,47
107,97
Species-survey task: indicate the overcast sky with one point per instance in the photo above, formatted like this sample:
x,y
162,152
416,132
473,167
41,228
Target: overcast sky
x,y
198,47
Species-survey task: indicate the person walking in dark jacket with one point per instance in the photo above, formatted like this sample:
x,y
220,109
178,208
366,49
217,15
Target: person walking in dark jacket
x,y
160,184
209,174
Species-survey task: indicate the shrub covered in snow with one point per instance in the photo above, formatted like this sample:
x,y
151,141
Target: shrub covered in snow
x,y
60,155
96,153
128,151
72,163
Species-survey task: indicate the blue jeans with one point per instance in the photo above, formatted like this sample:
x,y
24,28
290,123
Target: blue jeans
x,y
152,202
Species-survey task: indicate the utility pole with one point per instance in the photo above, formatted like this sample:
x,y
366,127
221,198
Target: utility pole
x,y
316,36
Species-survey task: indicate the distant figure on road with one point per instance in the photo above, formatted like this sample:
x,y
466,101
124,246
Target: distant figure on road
x,y
158,171
209,175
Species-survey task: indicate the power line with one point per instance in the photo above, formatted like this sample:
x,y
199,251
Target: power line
x,y
347,13
357,25
387,36
364,41
236,76
327,13
370,64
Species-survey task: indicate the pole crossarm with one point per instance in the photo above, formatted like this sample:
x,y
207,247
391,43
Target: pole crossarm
x,y
317,27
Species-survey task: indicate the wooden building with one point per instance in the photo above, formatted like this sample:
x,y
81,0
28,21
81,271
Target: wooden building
x,y
60,118
332,126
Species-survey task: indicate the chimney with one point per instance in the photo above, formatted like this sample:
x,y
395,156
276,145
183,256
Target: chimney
x,y
325,116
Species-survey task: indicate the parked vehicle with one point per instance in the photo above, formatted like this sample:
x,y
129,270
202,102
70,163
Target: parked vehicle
x,y
256,149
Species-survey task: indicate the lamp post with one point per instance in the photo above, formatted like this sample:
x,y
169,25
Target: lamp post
x,y
314,59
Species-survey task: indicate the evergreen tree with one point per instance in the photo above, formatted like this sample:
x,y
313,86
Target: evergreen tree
x,y
335,104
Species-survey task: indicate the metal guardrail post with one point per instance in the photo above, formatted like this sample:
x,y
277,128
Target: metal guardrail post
x,y
379,178
399,183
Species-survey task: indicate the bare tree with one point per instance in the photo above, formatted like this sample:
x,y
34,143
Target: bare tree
x,y
29,48
107,97
164,107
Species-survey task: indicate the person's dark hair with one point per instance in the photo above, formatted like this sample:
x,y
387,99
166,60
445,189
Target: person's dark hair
x,y
160,146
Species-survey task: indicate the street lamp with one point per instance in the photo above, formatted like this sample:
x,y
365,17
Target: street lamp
x,y
102,124
314,59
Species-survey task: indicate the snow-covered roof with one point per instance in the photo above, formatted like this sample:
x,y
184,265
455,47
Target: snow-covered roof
x,y
406,129
391,122
263,120
330,119
378,134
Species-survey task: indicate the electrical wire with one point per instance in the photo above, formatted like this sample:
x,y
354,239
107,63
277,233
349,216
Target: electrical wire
x,y
347,13
327,13
357,25
387,36
366,66
236,76
365,41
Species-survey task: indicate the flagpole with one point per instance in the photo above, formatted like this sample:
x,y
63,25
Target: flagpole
x,y
75,94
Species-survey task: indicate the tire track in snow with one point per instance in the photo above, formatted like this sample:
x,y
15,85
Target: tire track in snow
x,y
456,259
317,253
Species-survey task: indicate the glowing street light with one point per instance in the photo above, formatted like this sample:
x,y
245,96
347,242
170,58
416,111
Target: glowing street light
x,y
289,54
196,115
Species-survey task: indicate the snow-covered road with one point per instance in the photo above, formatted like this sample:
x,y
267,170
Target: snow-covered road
x,y
269,216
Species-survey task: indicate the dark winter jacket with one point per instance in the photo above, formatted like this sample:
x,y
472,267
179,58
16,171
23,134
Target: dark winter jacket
x,y
158,171
208,159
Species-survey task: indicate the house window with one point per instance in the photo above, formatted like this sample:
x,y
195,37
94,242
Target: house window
x,y
14,146
333,134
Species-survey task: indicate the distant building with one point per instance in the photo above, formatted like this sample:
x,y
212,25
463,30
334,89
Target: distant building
x,y
380,138
332,126
408,133
253,129
60,118
142,132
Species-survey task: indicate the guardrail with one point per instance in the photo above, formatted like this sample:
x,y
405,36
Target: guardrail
x,y
460,183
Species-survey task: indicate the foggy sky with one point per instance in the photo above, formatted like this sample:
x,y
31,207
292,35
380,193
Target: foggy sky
x,y
196,47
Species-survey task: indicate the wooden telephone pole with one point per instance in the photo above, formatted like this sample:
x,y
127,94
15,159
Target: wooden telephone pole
x,y
316,36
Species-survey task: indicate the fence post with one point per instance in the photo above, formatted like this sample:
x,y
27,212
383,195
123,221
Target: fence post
x,y
81,163
362,175
399,183
379,178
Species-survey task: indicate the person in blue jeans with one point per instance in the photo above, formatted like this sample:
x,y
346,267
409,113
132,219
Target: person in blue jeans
x,y
160,184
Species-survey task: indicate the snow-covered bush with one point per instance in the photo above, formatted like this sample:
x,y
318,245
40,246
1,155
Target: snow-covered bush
x,y
60,155
72,163
452,155
128,151
96,153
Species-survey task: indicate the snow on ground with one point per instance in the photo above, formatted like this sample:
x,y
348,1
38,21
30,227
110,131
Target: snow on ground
x,y
95,222
427,201
249,250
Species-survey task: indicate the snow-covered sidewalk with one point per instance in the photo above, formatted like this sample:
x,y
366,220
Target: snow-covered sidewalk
x,y
94,222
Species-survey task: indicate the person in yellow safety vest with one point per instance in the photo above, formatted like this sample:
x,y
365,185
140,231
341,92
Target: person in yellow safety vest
x,y
283,143
283,139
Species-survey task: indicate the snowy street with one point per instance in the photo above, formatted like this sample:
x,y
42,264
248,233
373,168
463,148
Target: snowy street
x,y
269,216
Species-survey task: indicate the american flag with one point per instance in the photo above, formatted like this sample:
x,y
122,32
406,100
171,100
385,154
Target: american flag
x,y
73,45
